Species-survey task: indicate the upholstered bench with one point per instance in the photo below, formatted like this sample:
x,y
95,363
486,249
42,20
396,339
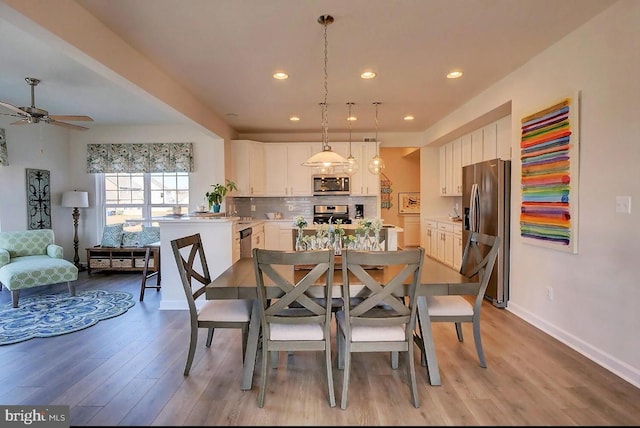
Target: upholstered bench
x,y
31,259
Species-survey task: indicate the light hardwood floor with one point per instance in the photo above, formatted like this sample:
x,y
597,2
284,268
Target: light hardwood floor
x,y
128,371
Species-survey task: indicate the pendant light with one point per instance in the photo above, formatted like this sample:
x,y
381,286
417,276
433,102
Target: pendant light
x,y
376,165
326,159
353,166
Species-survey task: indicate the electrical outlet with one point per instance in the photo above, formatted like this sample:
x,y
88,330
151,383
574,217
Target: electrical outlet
x,y
253,207
290,207
623,204
549,293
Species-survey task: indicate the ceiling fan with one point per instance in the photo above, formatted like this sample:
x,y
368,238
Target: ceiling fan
x,y
33,114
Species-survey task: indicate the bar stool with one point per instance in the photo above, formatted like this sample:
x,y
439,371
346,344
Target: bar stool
x,y
145,272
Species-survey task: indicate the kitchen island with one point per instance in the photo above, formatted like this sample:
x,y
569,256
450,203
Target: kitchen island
x,y
217,235
388,233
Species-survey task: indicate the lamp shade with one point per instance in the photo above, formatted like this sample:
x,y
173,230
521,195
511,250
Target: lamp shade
x,y
75,199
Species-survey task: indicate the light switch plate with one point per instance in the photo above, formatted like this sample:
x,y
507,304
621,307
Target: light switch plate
x,y
623,204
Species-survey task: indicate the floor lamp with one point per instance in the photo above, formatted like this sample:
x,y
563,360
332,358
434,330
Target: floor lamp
x,y
75,200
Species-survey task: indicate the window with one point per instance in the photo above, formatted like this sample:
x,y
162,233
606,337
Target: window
x,y
131,198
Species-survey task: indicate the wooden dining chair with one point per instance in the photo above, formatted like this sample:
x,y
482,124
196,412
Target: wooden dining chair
x,y
212,314
379,320
294,319
455,307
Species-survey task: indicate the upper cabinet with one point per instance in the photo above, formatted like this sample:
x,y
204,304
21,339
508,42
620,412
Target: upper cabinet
x,y
451,169
503,138
286,176
489,142
275,169
249,167
363,183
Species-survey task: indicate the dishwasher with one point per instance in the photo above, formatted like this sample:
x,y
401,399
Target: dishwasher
x,y
245,242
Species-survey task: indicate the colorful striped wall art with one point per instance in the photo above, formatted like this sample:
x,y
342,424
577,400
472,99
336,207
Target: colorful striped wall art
x,y
549,176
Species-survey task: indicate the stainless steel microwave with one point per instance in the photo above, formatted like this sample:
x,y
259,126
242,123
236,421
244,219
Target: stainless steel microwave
x,y
331,185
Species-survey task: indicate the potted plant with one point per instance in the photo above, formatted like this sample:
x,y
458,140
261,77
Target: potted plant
x,y
217,193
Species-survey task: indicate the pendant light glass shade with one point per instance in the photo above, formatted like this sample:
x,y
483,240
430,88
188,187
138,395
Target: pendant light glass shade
x,y
353,166
376,165
327,158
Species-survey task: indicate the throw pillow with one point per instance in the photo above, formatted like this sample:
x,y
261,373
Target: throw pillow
x,y
112,235
130,239
149,235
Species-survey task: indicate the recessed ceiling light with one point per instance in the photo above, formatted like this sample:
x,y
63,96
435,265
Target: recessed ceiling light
x,y
280,75
454,74
232,115
368,75
352,118
294,118
409,117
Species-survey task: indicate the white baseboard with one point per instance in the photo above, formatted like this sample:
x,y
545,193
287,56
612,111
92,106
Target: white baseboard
x,y
598,356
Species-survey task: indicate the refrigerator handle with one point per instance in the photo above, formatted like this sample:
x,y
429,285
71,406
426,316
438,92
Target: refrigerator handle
x,y
474,212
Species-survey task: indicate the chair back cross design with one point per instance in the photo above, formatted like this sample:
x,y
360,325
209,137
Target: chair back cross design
x,y
233,313
295,318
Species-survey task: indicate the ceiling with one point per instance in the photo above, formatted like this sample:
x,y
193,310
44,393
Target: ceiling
x,y
225,52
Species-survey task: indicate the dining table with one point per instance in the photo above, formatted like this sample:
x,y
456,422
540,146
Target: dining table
x,y
239,282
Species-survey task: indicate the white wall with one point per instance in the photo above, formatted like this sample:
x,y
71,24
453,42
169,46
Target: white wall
x,y
208,153
37,146
596,292
64,154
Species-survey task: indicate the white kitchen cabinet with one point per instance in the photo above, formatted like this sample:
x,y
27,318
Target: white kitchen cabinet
x,y
278,235
370,182
248,159
257,237
489,142
465,143
285,175
503,138
235,246
451,169
457,246
442,171
431,238
456,167
476,146
276,183
363,183
411,228
445,243
298,175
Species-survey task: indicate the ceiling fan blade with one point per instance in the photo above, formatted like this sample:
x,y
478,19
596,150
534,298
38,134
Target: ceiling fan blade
x,y
67,125
71,118
20,122
15,109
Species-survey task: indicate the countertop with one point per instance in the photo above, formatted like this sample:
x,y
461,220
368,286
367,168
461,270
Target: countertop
x,y
442,219
242,223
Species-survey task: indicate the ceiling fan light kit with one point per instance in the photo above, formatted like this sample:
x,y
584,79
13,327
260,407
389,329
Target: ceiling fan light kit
x,y
33,114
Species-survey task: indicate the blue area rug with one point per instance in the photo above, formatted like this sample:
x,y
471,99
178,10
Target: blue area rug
x,y
49,315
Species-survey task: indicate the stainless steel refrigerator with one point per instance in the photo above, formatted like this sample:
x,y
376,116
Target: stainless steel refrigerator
x,y
486,203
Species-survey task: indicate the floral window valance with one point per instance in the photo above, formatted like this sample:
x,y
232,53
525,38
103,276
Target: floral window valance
x,y
140,157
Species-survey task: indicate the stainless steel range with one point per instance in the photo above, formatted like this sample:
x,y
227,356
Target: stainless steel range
x,y
330,213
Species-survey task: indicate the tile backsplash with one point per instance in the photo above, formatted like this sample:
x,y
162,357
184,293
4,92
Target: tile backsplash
x,y
300,205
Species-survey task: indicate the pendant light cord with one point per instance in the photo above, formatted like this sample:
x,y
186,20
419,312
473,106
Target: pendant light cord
x,y
376,104
349,119
325,115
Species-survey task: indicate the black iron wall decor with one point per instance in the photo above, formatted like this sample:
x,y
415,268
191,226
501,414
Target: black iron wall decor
x,y
4,156
38,199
